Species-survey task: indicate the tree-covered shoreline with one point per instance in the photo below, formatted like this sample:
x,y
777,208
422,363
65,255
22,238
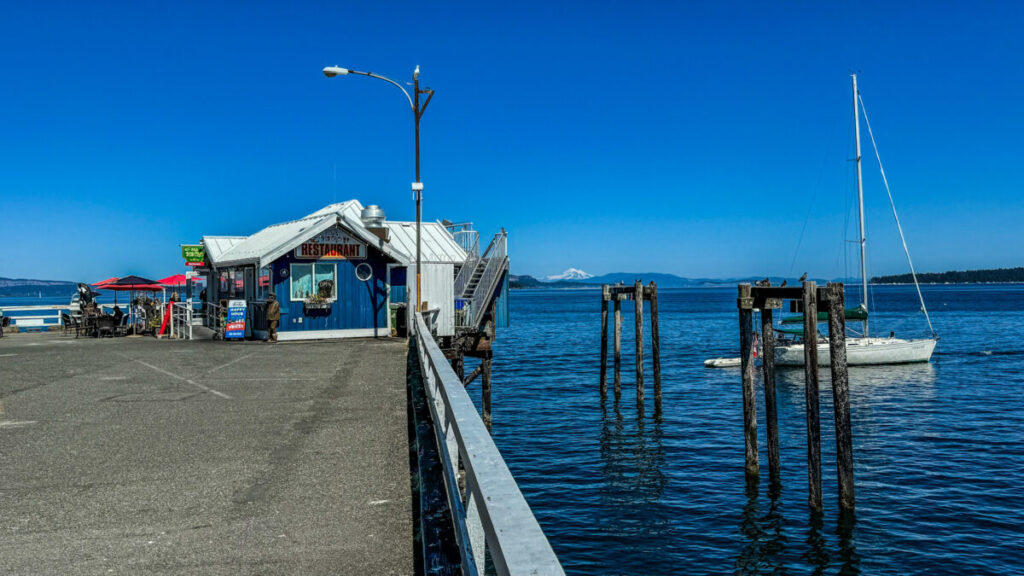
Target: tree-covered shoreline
x,y
997,275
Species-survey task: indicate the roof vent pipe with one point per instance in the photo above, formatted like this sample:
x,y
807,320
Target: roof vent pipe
x,y
373,216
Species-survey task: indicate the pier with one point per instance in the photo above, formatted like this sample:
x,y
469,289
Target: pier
x,y
171,457
154,457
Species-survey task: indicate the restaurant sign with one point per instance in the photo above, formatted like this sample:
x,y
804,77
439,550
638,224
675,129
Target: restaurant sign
x,y
194,254
332,244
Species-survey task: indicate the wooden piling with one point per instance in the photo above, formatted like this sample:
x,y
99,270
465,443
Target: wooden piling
x,y
746,308
604,341
485,397
655,342
639,314
770,409
840,395
810,299
618,347
459,364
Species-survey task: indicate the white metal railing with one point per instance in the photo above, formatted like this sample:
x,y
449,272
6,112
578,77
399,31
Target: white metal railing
x,y
497,263
468,268
35,316
181,320
490,513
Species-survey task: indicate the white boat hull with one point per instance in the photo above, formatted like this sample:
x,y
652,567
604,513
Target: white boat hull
x,y
863,352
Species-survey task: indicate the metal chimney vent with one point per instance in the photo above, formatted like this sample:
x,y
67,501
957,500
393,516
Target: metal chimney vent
x,y
373,216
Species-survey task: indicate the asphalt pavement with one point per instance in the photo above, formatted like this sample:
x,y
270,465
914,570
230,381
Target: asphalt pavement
x,y
137,456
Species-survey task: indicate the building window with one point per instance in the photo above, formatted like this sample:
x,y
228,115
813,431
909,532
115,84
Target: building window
x,y
264,282
232,285
307,278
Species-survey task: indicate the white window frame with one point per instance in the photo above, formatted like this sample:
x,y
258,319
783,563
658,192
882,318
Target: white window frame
x,y
313,265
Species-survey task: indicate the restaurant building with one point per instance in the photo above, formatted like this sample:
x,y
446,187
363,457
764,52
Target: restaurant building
x,y
342,271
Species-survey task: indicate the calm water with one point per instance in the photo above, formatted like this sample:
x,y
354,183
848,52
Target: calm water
x,y
938,448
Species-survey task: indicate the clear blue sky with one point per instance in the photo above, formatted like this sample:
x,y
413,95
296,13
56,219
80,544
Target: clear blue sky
x,y
695,138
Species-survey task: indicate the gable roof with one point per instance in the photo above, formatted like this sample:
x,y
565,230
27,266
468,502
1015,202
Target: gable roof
x,y
276,240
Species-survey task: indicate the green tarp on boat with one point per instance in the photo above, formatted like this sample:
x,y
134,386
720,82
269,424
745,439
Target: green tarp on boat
x,y
850,314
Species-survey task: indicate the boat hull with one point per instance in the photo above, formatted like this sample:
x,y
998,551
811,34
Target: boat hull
x,y
863,352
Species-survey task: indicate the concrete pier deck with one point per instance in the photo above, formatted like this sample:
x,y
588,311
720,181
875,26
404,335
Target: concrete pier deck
x,y
137,456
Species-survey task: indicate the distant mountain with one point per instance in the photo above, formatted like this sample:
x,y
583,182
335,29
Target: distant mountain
x,y
526,281
662,279
21,287
1003,275
570,274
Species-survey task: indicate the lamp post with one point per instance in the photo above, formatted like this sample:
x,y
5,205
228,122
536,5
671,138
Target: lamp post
x,y
417,112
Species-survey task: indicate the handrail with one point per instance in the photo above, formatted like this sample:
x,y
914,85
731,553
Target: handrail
x,y
497,262
468,267
490,512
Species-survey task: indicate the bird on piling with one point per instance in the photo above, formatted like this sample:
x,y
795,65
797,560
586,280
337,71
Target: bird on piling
x,y
763,282
802,278
784,282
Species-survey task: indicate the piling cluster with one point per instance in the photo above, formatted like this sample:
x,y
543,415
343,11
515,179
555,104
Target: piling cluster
x,y
766,299
638,293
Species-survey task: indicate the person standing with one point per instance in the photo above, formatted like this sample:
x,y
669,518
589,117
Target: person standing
x,y
273,317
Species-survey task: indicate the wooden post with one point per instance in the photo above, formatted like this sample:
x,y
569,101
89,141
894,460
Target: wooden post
x,y
604,341
811,394
618,347
485,396
459,364
746,306
638,296
770,409
655,342
841,394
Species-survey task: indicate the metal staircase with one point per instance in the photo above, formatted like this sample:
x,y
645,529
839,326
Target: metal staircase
x,y
477,283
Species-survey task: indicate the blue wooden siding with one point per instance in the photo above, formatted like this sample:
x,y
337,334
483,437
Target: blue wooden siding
x,y
398,285
360,305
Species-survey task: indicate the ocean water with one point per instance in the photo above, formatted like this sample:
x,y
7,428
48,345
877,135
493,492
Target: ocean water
x,y
618,489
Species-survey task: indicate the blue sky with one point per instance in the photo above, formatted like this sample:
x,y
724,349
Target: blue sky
x,y
693,138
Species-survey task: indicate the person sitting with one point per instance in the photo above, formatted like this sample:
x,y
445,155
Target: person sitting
x,y
118,314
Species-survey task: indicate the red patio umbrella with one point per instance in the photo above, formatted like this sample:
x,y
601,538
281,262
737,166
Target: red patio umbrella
x,y
107,281
175,280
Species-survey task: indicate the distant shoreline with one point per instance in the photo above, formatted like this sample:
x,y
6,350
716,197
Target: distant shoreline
x,y
598,287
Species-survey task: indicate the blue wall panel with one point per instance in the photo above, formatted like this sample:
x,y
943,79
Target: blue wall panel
x,y
360,305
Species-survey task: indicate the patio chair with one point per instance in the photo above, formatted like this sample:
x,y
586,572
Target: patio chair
x,y
105,326
70,323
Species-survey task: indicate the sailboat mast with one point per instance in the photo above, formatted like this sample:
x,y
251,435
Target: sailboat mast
x,y
860,205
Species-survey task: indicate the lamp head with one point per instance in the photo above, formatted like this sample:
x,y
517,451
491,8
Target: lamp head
x,y
416,73
332,71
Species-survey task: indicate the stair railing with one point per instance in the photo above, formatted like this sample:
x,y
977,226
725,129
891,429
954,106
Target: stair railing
x,y
468,267
496,257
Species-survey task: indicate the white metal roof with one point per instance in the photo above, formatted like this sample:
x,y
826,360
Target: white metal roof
x,y
216,246
437,243
275,241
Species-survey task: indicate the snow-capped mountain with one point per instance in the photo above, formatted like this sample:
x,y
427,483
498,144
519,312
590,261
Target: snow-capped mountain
x,y
570,274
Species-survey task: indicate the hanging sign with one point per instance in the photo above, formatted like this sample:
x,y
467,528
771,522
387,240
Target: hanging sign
x,y
332,244
236,319
194,254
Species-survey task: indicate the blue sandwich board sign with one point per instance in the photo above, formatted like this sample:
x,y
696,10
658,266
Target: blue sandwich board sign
x,y
236,319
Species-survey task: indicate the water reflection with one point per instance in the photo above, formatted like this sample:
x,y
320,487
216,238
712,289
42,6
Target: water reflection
x,y
766,536
847,545
632,456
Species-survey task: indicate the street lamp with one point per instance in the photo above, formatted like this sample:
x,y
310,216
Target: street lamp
x,y
417,112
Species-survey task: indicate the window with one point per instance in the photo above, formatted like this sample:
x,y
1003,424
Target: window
x,y
306,278
231,284
263,282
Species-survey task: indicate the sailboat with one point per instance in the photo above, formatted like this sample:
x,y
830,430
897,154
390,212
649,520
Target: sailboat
x,y
862,350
